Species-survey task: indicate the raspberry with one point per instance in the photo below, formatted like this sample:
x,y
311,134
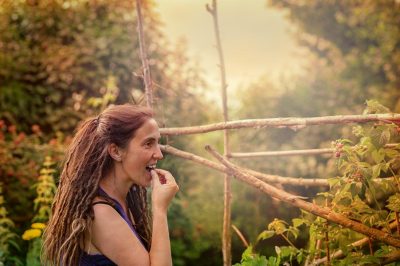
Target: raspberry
x,y
162,179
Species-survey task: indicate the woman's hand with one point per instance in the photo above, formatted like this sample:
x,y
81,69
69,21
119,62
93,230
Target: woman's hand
x,y
164,189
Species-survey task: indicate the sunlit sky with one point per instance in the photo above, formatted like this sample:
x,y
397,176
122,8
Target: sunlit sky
x,y
256,39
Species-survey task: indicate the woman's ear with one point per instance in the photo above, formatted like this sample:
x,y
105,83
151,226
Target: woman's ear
x,y
114,152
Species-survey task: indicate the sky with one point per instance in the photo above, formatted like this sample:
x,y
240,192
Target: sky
x,y
257,40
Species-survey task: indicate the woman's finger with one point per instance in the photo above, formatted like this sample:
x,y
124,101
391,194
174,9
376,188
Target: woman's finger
x,y
155,178
167,175
166,178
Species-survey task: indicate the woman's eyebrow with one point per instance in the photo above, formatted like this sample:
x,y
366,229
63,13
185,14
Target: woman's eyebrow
x,y
151,139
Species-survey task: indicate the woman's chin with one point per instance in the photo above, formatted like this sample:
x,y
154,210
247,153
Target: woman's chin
x,y
147,179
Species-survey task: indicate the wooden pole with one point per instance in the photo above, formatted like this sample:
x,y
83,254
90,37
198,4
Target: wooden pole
x,y
148,83
226,229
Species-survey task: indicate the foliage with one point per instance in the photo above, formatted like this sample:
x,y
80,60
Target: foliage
x,y
21,155
367,191
249,258
353,56
358,40
61,61
20,158
194,217
45,191
7,236
284,253
58,57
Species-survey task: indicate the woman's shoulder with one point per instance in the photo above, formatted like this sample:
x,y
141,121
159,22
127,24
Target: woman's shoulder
x,y
103,207
112,235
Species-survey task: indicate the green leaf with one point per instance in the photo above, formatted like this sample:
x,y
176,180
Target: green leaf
x,y
248,253
378,155
391,153
294,231
278,250
298,221
385,137
333,181
394,202
376,170
265,235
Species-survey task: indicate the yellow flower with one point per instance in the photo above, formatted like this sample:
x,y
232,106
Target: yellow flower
x,y
38,225
31,233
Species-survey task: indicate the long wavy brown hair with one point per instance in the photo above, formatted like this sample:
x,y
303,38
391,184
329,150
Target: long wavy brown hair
x,y
87,162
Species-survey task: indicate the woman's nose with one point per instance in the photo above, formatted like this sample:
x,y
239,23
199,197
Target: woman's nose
x,y
158,154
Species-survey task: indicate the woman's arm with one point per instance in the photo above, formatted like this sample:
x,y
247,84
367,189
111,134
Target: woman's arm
x,y
160,253
112,236
162,194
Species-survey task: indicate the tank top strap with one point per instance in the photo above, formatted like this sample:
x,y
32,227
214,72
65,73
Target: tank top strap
x,y
117,206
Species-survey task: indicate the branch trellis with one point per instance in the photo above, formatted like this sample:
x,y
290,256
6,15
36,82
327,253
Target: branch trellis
x,y
261,181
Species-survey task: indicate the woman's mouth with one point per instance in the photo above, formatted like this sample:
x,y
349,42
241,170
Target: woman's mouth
x,y
150,167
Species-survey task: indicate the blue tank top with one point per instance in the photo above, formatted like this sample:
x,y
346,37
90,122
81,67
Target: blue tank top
x,y
100,259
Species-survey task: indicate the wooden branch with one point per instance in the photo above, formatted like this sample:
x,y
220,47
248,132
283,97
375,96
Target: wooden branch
x,y
391,257
294,123
264,177
293,181
296,201
291,152
240,235
280,153
148,83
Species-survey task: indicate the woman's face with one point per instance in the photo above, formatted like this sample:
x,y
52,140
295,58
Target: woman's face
x,y
142,152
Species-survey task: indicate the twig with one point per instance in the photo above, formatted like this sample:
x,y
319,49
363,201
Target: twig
x,y
328,256
264,177
340,253
318,248
240,235
226,233
143,55
290,122
371,251
294,200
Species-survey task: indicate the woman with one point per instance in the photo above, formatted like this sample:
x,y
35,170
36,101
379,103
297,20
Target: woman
x,y
100,214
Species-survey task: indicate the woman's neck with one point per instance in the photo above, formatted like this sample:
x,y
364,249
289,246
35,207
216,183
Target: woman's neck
x,y
116,187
